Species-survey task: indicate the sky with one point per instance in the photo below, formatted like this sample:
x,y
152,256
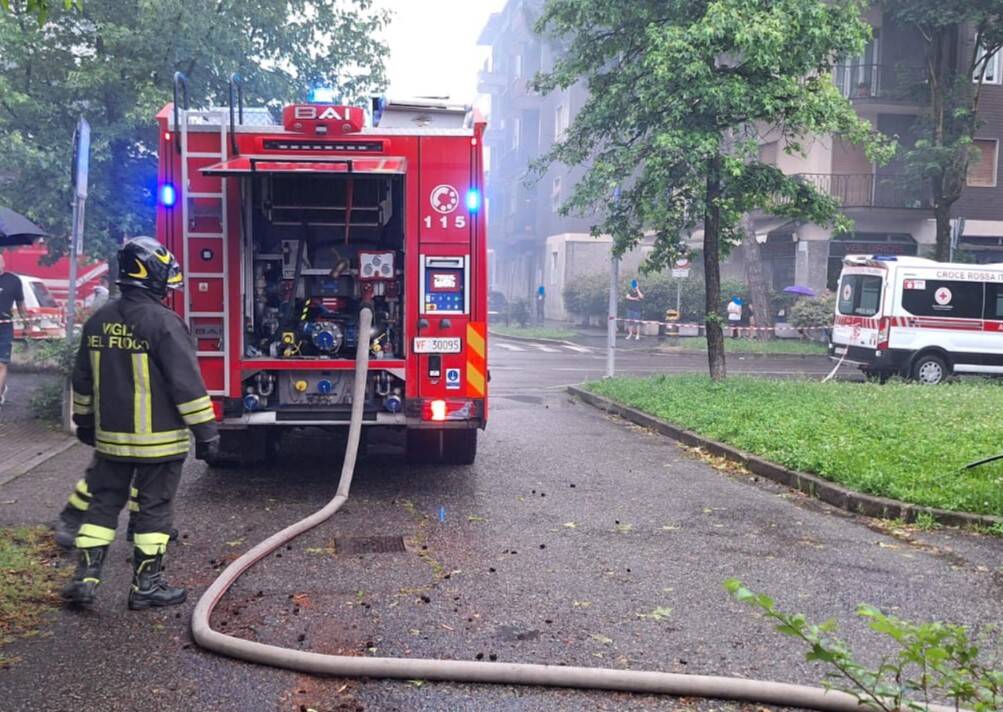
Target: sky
x,y
433,47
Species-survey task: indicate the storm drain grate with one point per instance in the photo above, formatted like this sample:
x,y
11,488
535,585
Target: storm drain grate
x,y
369,545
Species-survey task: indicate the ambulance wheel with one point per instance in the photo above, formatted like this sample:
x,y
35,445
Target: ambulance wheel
x,y
460,446
930,369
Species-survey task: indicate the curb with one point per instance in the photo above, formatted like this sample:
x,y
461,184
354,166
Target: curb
x,y
828,492
739,354
12,474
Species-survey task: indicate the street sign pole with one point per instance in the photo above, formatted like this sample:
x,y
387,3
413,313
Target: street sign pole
x,y
81,159
614,278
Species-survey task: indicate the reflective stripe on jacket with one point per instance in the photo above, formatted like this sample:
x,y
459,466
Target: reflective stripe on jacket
x,y
137,382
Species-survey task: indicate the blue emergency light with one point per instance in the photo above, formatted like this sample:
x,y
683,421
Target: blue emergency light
x,y
473,200
322,95
167,195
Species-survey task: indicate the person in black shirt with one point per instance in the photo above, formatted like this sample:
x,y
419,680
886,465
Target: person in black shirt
x,y
11,293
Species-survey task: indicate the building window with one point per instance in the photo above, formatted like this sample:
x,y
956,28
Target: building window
x,y
516,133
992,73
517,66
561,121
769,152
555,194
982,170
553,267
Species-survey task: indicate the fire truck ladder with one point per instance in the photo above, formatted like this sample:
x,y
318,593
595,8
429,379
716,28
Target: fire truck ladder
x,y
218,240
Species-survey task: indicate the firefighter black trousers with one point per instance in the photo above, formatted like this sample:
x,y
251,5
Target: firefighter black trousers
x,y
109,482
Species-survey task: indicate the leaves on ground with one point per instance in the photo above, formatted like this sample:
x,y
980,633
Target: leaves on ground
x,y
660,613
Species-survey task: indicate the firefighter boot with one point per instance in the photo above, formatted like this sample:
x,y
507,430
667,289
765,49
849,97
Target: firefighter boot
x,y
67,525
82,590
148,586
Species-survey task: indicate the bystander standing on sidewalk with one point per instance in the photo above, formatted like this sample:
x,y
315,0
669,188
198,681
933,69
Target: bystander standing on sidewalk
x,y
735,315
11,293
541,296
634,298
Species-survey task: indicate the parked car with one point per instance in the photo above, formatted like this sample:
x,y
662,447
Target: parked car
x,y
498,307
46,319
919,318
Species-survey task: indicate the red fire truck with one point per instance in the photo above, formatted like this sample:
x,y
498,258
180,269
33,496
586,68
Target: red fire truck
x,y
285,227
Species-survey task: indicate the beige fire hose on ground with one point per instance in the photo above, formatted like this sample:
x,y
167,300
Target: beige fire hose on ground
x,y
758,691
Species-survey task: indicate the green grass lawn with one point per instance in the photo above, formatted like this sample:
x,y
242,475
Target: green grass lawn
x,y
752,346
899,440
533,332
28,582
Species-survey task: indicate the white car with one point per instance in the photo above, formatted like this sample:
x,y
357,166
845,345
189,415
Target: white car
x,y
46,319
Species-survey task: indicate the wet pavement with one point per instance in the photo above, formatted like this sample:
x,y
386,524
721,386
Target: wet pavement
x,y
574,539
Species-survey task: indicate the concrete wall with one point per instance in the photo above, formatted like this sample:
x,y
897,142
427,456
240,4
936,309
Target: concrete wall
x,y
570,255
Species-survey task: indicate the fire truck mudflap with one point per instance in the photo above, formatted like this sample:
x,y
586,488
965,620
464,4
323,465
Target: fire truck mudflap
x,y
286,230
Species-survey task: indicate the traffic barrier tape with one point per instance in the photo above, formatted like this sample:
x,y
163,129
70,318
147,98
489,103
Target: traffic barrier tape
x,y
724,325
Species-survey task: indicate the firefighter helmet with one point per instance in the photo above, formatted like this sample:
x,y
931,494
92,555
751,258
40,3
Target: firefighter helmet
x,y
143,262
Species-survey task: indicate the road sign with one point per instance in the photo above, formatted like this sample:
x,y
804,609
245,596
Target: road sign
x,y
681,268
81,157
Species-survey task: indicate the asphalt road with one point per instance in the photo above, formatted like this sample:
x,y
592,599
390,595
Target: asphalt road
x,y
564,543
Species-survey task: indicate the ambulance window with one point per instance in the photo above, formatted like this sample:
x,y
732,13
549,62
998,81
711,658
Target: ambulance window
x,y
860,294
994,301
929,297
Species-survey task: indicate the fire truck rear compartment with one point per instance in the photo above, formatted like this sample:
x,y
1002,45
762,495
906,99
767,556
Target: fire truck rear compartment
x,y
316,248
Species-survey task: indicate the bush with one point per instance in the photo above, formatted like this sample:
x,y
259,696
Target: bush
x,y
47,401
813,311
587,295
520,311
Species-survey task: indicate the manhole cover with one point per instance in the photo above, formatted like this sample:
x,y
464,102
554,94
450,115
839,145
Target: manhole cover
x,y
369,545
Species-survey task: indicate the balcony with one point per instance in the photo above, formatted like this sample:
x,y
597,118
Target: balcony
x,y
867,190
490,81
880,83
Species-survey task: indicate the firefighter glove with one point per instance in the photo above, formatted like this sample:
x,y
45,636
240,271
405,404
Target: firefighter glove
x,y
86,436
207,450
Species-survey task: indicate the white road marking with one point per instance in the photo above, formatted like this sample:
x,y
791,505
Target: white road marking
x,y
579,349
546,349
510,347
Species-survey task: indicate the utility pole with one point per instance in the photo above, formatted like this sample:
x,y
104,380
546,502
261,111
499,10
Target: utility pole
x,y
81,159
614,279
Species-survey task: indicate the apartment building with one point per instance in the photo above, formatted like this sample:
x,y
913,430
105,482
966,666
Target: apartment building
x,y
891,213
531,244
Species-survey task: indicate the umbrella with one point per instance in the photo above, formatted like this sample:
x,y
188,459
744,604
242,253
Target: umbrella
x,y
800,290
16,229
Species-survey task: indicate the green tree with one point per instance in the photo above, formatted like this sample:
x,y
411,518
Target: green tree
x,y
675,89
960,37
113,61
39,8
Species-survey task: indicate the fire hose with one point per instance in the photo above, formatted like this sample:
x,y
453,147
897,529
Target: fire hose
x,y
681,685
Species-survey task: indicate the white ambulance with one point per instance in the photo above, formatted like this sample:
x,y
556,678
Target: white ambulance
x,y
919,318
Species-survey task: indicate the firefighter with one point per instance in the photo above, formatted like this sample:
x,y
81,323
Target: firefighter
x,y
137,390
76,507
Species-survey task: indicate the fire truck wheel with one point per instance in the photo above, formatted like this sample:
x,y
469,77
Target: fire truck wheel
x,y
930,369
424,446
460,446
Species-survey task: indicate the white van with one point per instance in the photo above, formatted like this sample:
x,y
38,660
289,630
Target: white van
x,y
919,318
45,317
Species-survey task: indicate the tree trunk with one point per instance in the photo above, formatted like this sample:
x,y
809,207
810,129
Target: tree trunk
x,y
712,271
942,213
759,293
